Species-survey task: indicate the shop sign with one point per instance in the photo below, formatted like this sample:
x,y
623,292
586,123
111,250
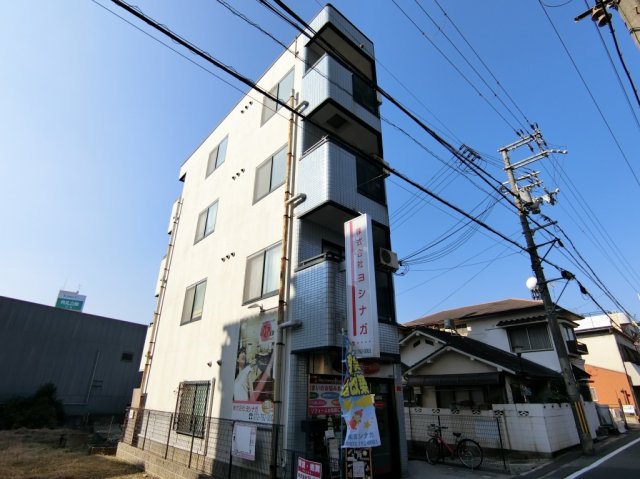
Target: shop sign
x,y
324,395
308,469
362,306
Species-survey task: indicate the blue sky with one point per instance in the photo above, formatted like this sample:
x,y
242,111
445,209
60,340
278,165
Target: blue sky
x,y
97,117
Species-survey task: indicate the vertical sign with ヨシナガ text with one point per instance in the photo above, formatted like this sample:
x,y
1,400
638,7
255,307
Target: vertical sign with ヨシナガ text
x,y
362,308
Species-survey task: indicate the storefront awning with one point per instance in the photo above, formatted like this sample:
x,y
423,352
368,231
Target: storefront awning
x,y
482,379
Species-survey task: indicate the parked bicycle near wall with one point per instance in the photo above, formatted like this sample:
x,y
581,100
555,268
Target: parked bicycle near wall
x,y
467,450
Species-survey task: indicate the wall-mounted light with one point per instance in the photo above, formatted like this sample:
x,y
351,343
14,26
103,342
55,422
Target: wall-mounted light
x,y
257,305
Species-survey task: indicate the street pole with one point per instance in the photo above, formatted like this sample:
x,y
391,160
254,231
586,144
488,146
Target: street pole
x,y
579,416
630,13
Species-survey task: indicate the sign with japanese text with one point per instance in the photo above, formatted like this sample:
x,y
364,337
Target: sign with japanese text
x,y
362,307
308,469
324,395
254,380
70,300
358,408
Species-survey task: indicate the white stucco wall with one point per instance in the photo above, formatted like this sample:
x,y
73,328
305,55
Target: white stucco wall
x,y
241,229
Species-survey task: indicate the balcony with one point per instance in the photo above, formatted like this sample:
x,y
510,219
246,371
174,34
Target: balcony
x,y
577,348
342,104
321,305
328,175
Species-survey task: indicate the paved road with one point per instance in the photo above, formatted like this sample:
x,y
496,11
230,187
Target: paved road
x,y
620,464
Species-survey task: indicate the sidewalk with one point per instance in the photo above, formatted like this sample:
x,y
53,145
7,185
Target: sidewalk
x,y
555,468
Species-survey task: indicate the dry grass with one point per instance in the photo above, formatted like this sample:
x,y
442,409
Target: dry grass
x,y
35,454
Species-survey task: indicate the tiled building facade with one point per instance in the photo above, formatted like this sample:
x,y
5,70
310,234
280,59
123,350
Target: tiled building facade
x,y
229,340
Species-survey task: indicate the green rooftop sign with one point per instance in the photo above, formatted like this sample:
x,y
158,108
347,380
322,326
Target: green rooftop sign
x,y
70,300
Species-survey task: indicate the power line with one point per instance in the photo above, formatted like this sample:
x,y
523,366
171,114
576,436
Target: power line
x,y
209,58
615,70
454,66
593,99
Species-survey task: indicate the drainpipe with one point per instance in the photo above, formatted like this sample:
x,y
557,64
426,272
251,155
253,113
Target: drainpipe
x,y
283,296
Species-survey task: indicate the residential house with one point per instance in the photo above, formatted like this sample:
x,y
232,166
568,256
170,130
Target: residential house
x,y
237,336
491,372
518,326
447,370
613,361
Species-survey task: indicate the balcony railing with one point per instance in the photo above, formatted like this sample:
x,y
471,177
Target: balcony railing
x,y
576,347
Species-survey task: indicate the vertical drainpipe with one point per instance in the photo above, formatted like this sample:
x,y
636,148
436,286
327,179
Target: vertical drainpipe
x,y
282,299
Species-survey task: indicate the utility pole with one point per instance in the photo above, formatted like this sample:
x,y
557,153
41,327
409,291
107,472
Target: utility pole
x,y
629,12
525,203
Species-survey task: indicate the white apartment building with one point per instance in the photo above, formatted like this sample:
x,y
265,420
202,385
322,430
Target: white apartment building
x,y
229,342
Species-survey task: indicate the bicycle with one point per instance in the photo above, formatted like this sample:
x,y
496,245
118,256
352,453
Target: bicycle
x,y
467,450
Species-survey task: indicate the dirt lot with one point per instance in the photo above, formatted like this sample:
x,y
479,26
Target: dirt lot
x,y
36,454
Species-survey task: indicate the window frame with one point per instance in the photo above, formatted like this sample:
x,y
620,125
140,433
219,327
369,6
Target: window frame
x,y
192,303
193,420
272,187
205,213
268,107
363,94
529,348
260,254
217,163
365,167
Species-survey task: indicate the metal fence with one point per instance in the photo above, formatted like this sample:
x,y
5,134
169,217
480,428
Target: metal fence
x,y
207,450
485,430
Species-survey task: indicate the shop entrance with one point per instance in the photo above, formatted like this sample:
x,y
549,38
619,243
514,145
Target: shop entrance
x,y
385,456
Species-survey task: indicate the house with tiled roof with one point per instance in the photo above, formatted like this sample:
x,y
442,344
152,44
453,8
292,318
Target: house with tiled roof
x,y
518,327
491,372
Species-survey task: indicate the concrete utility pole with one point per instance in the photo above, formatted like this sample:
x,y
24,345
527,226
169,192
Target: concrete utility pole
x,y
629,11
525,202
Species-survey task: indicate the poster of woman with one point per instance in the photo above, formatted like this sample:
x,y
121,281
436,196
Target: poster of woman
x,y
253,383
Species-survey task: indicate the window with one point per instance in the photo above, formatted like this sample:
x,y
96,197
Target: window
x,y
532,337
594,394
282,91
207,221
270,175
364,95
370,178
191,408
262,274
193,302
384,296
217,156
126,357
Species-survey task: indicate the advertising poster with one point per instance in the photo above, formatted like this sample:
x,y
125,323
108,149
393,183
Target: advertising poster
x,y
362,305
324,395
358,464
358,408
253,384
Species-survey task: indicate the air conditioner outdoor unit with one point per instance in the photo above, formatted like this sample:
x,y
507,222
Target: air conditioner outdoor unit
x,y
389,259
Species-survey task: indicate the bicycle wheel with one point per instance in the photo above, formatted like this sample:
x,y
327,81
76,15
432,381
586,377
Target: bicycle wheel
x,y
433,451
470,453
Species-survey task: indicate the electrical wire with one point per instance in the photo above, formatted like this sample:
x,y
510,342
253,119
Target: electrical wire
x,y
593,99
495,94
208,57
484,64
454,66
